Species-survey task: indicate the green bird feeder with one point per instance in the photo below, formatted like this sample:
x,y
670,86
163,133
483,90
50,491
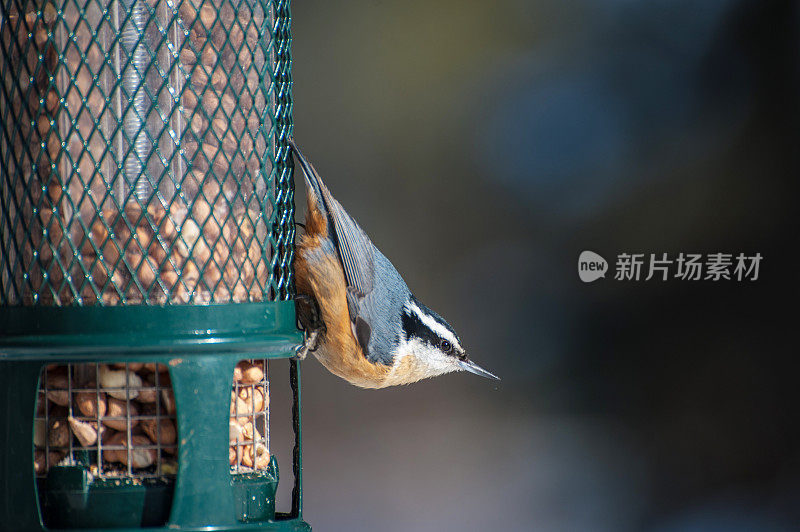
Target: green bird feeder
x,y
146,246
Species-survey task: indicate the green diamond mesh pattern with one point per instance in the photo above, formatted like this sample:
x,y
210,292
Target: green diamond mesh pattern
x,y
142,152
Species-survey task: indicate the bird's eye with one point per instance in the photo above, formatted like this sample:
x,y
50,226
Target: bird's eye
x,y
445,346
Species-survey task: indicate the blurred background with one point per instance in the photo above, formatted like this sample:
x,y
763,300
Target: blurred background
x,y
483,146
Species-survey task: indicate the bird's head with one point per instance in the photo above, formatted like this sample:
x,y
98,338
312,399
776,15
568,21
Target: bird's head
x,y
433,344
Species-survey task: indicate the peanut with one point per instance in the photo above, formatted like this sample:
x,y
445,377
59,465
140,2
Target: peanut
x,y
251,373
119,384
138,457
85,432
89,405
56,385
162,432
118,409
40,464
58,433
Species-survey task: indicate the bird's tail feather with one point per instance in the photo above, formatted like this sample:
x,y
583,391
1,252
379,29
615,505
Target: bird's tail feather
x,y
312,178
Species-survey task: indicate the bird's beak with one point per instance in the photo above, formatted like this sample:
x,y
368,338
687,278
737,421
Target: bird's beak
x,y
472,367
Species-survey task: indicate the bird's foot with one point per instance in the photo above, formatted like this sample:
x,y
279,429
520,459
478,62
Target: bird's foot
x,y
309,345
310,320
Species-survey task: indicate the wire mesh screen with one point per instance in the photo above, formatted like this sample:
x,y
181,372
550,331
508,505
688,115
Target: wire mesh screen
x,y
119,420
249,419
142,152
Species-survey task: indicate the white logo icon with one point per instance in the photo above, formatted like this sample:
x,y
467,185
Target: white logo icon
x,y
591,266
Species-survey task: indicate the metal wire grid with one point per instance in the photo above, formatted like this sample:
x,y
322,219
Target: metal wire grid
x,y
122,447
141,440
143,155
249,424
284,229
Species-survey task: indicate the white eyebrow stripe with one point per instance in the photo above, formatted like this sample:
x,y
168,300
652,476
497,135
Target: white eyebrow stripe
x,y
434,325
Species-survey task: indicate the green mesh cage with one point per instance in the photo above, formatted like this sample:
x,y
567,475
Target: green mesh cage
x,y
142,155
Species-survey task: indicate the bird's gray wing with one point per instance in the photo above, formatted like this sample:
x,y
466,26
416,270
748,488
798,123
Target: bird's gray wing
x,y
361,328
358,263
355,249
356,252
354,246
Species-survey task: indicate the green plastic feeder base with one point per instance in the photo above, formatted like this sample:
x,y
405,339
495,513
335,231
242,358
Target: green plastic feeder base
x,y
201,345
68,498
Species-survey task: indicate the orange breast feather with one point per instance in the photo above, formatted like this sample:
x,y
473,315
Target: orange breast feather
x,y
319,273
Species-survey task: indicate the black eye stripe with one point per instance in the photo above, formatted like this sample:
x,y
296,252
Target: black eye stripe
x,y
414,327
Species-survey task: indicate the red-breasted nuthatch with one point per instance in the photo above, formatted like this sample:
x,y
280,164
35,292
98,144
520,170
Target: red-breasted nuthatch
x,y
360,319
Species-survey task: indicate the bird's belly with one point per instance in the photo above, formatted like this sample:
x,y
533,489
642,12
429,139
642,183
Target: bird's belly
x,y
320,275
347,366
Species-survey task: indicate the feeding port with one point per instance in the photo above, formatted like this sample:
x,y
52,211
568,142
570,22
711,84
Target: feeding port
x,y
116,424
119,419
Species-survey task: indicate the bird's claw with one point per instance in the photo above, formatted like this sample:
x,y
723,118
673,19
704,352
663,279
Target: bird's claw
x,y
309,345
310,320
308,312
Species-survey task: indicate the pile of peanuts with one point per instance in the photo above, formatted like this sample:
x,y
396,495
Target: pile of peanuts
x,y
204,237
26,97
170,256
126,412
249,412
100,407
208,243
222,103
